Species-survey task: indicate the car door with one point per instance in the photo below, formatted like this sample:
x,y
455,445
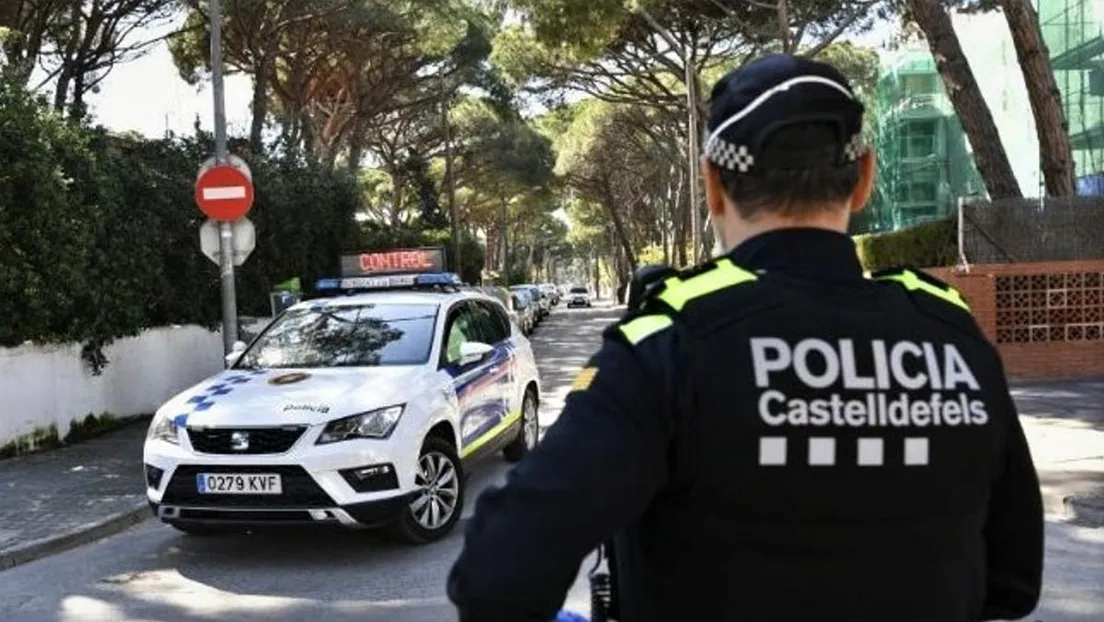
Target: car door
x,y
476,394
496,329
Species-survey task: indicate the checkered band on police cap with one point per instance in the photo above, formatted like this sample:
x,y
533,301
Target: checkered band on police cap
x,y
750,104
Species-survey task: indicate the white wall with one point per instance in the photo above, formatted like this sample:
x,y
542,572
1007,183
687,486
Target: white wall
x,y
41,385
987,43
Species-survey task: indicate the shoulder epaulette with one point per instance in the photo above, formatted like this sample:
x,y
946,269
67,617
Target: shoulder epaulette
x,y
917,281
667,298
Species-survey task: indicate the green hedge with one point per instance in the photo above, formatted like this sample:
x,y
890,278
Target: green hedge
x,y
99,234
923,246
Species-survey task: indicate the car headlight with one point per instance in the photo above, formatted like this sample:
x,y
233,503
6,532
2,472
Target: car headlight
x,y
373,424
164,428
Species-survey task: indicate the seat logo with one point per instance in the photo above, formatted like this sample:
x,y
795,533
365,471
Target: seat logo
x,y
239,441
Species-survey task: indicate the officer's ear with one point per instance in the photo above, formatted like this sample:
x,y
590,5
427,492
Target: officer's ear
x,y
715,196
868,167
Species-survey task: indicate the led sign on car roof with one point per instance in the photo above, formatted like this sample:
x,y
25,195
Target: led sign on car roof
x,y
405,260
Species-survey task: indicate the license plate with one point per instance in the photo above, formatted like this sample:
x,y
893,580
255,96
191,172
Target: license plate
x,y
239,484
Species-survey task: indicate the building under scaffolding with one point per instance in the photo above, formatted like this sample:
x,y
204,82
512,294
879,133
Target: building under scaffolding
x,y
924,163
925,160
1074,33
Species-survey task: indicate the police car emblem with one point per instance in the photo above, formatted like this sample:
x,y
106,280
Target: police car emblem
x,y
291,378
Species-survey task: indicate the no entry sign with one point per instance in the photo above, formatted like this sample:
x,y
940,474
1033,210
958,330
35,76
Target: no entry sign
x,y
224,192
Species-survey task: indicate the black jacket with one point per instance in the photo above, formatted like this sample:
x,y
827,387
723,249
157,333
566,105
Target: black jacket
x,y
776,437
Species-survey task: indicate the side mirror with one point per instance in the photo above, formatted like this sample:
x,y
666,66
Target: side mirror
x,y
235,353
473,352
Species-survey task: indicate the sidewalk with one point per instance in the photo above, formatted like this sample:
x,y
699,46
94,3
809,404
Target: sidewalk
x,y
1064,424
61,499
57,500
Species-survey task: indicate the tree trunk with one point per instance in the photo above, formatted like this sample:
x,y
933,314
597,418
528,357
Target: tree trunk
x,y
306,133
259,105
1055,152
678,223
503,218
596,274
618,236
962,89
356,148
77,108
61,91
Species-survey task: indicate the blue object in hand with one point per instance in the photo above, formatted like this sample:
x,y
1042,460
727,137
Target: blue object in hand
x,y
567,616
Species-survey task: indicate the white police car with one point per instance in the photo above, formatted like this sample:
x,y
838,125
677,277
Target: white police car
x,y
362,410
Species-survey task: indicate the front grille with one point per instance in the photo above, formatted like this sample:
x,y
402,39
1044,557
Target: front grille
x,y
231,516
249,441
299,489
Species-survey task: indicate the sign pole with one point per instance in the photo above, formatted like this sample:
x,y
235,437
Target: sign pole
x,y
226,229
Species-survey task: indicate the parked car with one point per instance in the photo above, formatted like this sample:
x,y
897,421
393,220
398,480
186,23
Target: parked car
x,y
578,297
526,308
508,300
543,303
360,409
549,289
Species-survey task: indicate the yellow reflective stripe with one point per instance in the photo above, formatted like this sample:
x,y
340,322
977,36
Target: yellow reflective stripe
x,y
913,282
643,327
489,435
584,379
725,274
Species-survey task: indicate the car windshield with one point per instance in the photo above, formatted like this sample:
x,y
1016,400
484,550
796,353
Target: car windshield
x,y
578,290
345,335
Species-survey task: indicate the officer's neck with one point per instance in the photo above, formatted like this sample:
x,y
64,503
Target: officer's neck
x,y
736,229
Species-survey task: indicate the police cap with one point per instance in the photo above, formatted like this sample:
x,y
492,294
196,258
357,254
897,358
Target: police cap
x,y
752,103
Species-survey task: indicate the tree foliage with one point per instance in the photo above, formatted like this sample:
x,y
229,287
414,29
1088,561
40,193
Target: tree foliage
x,y
569,136
100,237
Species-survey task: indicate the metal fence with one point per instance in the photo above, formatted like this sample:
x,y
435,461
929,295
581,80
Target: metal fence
x,y
1020,230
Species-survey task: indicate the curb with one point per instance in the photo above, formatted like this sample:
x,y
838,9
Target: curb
x,y
52,545
1084,512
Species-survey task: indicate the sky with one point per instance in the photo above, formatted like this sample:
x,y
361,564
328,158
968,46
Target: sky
x,y
147,95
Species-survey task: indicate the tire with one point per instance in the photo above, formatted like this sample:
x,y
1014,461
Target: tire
x,y
416,525
528,433
202,531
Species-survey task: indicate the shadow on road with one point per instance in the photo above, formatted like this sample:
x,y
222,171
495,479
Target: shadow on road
x,y
1080,400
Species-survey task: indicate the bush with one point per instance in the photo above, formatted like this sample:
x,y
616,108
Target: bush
x,y
927,245
99,233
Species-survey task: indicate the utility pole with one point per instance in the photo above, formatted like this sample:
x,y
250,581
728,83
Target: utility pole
x,y
226,229
454,224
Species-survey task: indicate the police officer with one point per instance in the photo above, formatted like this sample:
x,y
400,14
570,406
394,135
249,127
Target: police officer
x,y
775,436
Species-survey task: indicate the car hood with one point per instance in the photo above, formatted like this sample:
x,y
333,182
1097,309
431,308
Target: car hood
x,y
291,396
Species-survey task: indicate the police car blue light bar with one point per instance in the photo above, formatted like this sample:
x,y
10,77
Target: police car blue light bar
x,y
390,281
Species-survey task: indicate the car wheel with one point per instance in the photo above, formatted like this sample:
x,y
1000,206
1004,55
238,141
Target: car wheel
x,y
436,509
528,434
202,531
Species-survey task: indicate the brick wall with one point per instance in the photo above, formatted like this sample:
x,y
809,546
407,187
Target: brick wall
x,y
1047,318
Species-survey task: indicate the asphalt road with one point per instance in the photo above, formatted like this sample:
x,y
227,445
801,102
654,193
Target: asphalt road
x,y
153,574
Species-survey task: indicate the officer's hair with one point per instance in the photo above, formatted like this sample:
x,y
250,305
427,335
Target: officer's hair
x,y
792,192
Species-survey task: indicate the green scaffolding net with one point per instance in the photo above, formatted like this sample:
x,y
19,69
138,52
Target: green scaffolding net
x,y
1074,33
925,161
